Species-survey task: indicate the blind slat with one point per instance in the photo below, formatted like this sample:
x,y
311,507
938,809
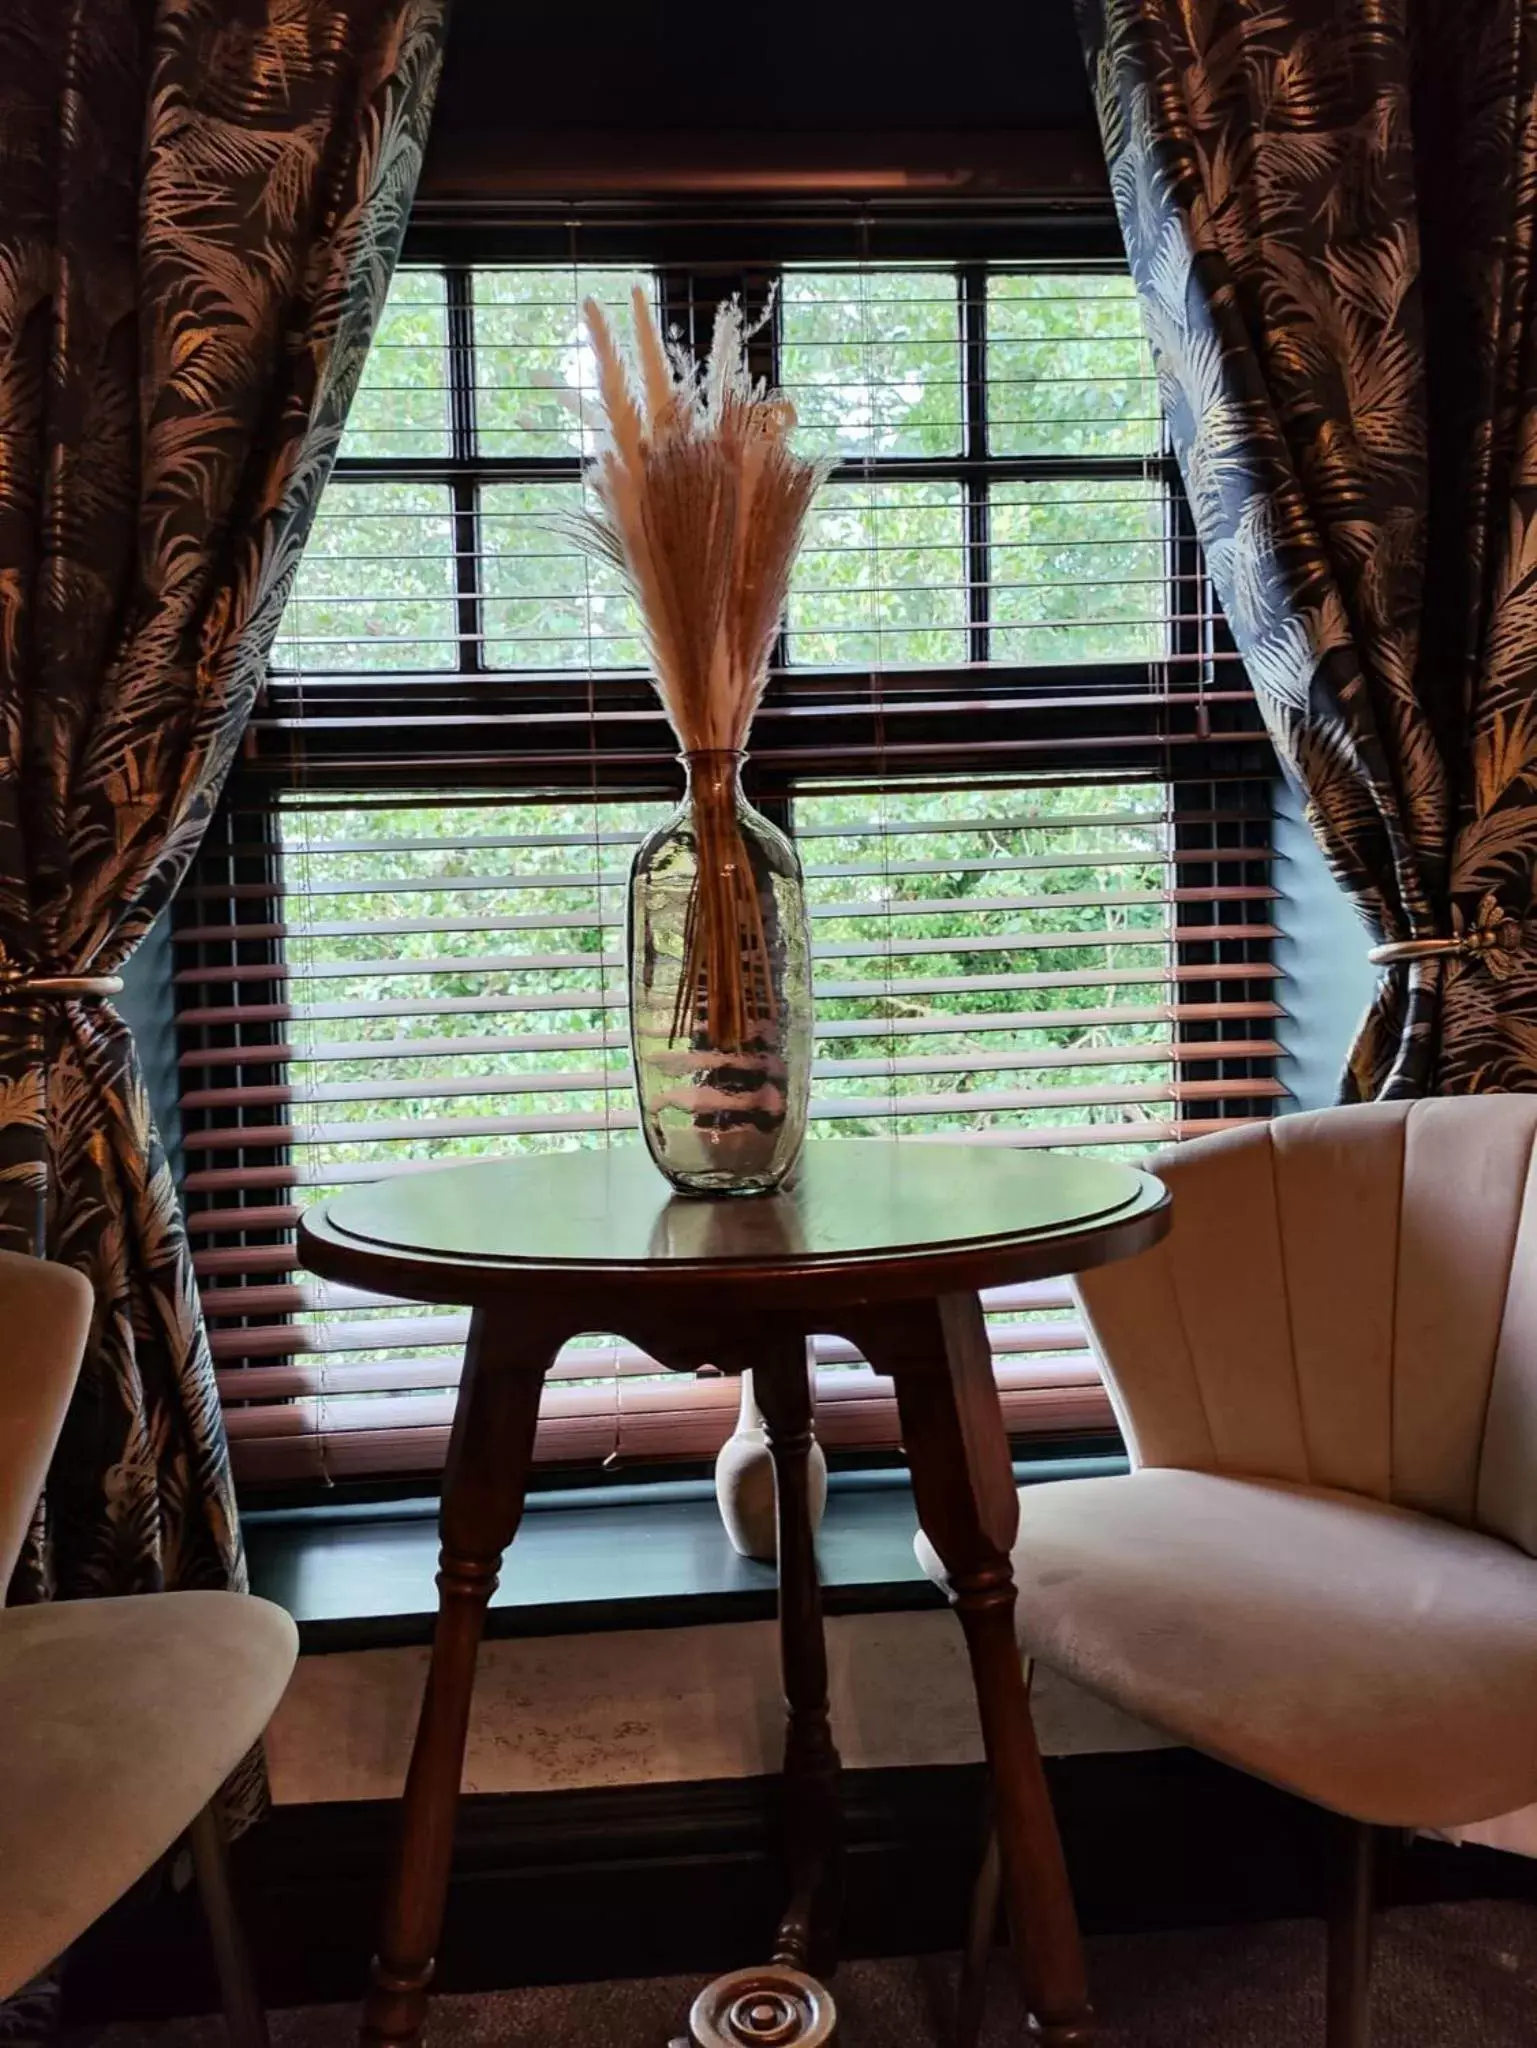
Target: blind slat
x,y
1124,974
321,1052
890,909
307,1415
1144,1133
847,949
556,1081
323,1376
301,849
410,1334
298,890
638,1422
384,1130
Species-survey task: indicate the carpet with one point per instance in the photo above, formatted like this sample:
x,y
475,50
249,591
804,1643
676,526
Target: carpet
x,y
1454,1976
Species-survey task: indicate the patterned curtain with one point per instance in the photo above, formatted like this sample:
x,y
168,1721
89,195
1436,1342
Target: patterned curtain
x,y
1328,206
200,207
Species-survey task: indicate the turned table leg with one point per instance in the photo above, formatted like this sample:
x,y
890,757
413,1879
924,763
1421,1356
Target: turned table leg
x,y
780,2004
808,1932
952,1428
487,1472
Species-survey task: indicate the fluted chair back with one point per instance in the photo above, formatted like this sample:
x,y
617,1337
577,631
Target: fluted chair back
x,y
47,1317
1346,1299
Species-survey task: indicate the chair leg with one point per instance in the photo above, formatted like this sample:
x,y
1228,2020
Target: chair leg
x,y
1350,1938
986,1907
245,2019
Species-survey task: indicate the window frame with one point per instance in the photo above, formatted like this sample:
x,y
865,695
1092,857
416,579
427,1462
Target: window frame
x,y
431,732
332,731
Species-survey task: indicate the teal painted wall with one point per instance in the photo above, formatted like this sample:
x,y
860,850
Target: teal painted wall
x,y
1326,980
147,1007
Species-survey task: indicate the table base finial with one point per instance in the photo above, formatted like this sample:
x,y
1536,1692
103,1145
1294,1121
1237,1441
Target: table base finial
x,y
769,2006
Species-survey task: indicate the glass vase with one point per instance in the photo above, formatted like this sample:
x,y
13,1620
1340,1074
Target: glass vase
x,y
720,990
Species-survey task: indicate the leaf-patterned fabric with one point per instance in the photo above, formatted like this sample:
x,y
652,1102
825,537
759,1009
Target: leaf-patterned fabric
x,y
1328,208
200,206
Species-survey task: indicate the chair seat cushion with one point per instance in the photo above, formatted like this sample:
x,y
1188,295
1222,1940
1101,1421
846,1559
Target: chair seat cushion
x,y
1378,1661
122,1718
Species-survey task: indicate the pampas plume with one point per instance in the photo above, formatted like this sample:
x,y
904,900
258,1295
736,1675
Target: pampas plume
x,y
701,504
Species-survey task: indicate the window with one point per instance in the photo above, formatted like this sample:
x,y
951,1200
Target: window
x,y
1005,728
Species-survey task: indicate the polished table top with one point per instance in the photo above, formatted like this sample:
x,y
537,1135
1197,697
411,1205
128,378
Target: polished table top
x,y
947,1215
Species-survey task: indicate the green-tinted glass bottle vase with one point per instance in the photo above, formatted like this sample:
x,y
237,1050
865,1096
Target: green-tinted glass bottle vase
x,y
720,990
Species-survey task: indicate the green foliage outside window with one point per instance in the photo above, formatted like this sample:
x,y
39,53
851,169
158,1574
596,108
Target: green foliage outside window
x,y
873,363
457,966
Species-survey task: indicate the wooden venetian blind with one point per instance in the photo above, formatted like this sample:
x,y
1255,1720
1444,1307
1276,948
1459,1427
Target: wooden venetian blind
x,y
1005,731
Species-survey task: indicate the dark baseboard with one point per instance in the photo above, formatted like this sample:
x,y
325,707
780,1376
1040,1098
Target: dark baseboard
x,y
649,1880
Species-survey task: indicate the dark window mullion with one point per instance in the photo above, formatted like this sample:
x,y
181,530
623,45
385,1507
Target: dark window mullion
x,y
689,299
973,298
435,469
897,468
765,359
466,449
1027,469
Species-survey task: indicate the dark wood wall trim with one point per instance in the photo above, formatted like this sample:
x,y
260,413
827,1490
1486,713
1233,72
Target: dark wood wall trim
x,y
657,1879
476,166
802,96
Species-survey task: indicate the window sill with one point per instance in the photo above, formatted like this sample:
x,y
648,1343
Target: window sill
x,y
645,1556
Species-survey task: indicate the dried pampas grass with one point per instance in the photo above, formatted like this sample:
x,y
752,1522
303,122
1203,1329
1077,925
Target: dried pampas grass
x,y
701,506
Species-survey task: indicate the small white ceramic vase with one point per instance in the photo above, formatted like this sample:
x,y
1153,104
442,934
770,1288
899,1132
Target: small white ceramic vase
x,y
744,1483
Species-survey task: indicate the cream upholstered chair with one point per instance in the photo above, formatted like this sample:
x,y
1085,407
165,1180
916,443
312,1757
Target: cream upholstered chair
x,y
1321,1567
121,1718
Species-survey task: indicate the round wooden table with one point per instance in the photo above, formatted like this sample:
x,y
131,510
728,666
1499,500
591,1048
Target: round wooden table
x,y
883,1243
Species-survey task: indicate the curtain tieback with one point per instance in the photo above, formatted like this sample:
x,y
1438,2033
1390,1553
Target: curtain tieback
x,y
1490,938
62,988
